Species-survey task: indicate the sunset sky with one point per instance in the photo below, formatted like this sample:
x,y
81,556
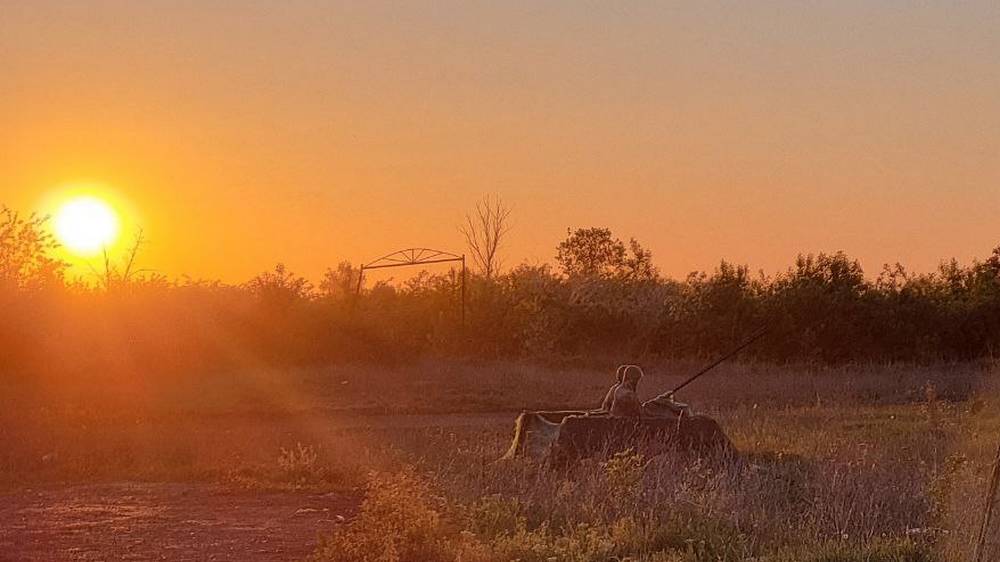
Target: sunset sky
x,y
241,134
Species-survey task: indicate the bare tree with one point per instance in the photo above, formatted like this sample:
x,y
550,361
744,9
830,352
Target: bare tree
x,y
485,231
120,275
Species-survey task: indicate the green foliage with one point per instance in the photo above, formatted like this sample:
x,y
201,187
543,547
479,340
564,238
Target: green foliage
x,y
879,550
623,473
400,521
26,263
595,252
299,464
279,288
297,468
608,300
340,285
497,515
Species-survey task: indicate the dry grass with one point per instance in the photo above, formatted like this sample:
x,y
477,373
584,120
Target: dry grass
x,y
863,463
858,478
440,387
778,507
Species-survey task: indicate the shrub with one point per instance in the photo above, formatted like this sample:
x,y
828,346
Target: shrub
x,y
298,465
400,521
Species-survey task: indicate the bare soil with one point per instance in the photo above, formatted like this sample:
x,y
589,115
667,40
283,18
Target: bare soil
x,y
157,521
43,519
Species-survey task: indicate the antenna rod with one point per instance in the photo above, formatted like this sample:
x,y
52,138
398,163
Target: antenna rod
x,y
759,334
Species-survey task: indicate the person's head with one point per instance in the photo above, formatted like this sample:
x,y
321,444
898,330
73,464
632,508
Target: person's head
x,y
620,373
630,376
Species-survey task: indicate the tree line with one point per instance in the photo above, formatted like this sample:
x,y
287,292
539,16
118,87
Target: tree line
x,y
602,298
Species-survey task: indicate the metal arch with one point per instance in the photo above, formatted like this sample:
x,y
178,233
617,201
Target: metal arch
x,y
413,256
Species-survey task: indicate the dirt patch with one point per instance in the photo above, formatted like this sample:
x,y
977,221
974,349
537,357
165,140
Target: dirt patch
x,y
164,521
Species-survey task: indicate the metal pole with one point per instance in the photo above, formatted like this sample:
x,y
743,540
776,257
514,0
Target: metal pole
x,y
463,292
361,276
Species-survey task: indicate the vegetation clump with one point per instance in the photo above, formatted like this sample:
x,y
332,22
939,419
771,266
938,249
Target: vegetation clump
x,y
604,298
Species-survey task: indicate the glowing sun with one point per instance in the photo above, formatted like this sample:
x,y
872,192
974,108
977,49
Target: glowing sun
x,y
86,225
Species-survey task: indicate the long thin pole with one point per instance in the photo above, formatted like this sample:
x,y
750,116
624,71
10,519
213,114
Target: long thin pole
x,y
361,276
988,510
463,292
760,333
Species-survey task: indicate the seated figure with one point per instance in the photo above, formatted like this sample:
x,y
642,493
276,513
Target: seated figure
x,y
609,398
624,401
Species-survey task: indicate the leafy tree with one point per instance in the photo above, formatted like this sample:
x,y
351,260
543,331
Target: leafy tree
x,y
279,287
639,263
595,252
821,300
26,263
339,284
606,300
722,307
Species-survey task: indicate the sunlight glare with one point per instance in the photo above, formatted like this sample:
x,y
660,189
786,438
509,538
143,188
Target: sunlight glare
x,y
86,225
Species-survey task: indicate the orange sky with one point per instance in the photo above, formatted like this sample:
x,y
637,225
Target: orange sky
x,y
307,132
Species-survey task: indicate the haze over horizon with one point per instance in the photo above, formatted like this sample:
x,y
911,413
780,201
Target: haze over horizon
x,y
310,133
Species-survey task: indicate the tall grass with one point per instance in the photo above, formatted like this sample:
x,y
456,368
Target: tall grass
x,y
858,463
628,508
853,480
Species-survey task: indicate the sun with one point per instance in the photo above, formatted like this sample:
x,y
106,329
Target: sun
x,y
86,225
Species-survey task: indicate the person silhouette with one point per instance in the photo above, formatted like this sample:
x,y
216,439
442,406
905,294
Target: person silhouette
x,y
609,398
624,400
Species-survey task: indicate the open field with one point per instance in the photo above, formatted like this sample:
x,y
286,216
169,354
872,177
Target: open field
x,y
859,463
334,281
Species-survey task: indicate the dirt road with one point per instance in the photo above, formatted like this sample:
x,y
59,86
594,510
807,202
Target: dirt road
x,y
191,520
142,521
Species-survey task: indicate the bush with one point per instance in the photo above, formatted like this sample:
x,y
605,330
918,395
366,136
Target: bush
x,y
400,521
607,301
